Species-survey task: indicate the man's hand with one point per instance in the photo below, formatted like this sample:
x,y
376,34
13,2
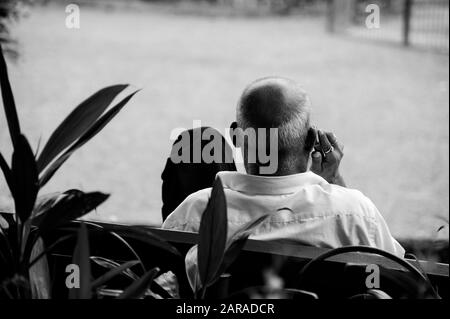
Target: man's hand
x,y
326,158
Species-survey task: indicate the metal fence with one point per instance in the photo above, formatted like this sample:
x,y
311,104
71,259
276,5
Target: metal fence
x,y
416,23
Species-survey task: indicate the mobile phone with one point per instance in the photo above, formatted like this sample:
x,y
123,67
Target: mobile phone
x,y
317,145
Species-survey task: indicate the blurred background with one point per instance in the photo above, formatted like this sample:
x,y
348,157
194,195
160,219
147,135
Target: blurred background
x,y
383,91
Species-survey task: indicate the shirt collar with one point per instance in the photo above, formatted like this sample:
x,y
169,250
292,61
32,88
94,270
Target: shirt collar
x,y
268,185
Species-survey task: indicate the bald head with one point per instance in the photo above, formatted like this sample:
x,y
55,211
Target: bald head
x,y
275,102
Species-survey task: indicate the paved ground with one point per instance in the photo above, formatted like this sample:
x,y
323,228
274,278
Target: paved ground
x,y
388,105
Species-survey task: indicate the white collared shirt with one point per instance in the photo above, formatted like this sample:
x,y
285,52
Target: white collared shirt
x,y
303,208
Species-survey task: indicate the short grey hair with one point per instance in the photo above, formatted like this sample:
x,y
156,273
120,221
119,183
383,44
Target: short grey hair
x,y
276,102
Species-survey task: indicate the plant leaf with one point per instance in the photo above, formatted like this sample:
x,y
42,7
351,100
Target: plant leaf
x,y
81,258
39,273
232,253
144,235
11,236
8,101
98,227
378,294
90,133
128,246
238,241
250,226
166,285
121,269
139,287
111,264
212,235
45,202
6,254
24,179
77,123
6,172
73,205
49,249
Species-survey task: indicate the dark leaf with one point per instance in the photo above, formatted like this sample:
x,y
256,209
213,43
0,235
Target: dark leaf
x,y
166,285
6,254
77,123
237,243
378,294
45,202
90,133
24,179
111,264
10,235
140,286
71,206
38,147
157,289
3,223
128,246
405,282
212,235
39,273
98,227
49,249
9,218
118,270
232,253
82,260
8,101
144,235
6,172
250,226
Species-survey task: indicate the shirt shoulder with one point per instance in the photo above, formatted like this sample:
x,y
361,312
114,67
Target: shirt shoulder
x,y
353,201
377,229
188,214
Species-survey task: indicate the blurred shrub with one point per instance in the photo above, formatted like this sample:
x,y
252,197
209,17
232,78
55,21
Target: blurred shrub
x,y
246,7
10,10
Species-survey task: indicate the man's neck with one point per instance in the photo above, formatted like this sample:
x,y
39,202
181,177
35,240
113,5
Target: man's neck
x,y
283,169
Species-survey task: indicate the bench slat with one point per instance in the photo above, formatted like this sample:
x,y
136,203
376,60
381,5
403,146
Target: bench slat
x,y
307,252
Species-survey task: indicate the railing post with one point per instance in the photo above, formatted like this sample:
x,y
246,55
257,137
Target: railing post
x,y
331,16
407,21
339,15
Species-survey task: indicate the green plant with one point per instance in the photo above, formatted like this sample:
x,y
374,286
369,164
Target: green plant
x,y
21,232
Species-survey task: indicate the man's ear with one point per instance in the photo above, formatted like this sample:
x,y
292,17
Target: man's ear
x,y
233,133
311,138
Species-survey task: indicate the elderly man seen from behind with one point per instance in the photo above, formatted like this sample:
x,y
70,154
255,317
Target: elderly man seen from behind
x,y
305,195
